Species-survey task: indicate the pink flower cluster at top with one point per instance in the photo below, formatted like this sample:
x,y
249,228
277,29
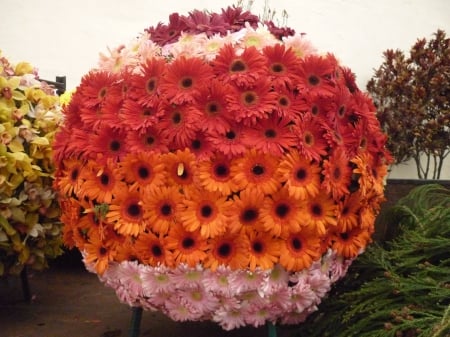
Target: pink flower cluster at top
x,y
220,168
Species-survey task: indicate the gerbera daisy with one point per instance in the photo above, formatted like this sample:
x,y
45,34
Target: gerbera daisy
x,y
289,104
94,87
180,167
102,181
300,45
229,318
316,74
187,246
218,282
245,214
271,135
311,141
161,205
142,171
282,65
126,213
146,140
99,252
181,311
299,250
230,143
187,277
182,79
320,213
150,249
257,171
337,173
248,104
301,175
70,179
204,211
199,299
179,124
163,34
264,250
349,210
242,70
281,213
201,146
144,87
350,243
111,143
137,116
156,280
212,103
229,250
216,174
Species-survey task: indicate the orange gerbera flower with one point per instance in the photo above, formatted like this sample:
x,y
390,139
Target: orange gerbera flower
x,y
320,213
350,243
182,79
143,171
187,246
102,181
246,212
70,179
337,173
126,213
150,249
257,171
180,166
349,211
229,250
302,176
160,207
204,211
216,174
281,213
99,252
70,215
312,143
264,250
299,250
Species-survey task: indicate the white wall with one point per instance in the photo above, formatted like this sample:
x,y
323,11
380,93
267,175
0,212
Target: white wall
x,y
64,38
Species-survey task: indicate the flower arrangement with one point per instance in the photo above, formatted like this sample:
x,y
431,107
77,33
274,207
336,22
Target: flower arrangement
x,y
219,168
30,232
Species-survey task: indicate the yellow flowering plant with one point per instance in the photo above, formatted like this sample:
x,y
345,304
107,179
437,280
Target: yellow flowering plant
x,y
30,232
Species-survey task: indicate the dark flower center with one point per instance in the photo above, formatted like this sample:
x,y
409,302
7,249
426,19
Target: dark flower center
x,y
102,251
149,140
143,172
277,68
314,110
296,243
344,236
257,247
230,135
300,174
313,80
337,173
221,170
156,251
282,210
114,145
188,243
176,118
341,111
258,170
249,215
186,82
224,250
316,209
283,101
238,66
104,179
196,144
212,108
206,211
270,133
74,174
309,138
102,93
166,209
151,85
134,210
249,97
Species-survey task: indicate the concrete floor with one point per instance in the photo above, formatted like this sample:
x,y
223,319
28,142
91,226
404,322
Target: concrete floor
x,y
68,301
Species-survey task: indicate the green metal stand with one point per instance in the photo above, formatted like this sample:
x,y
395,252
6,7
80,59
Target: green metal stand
x,y
272,329
135,324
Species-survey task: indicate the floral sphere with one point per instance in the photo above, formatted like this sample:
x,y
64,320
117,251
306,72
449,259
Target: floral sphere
x,y
30,113
219,168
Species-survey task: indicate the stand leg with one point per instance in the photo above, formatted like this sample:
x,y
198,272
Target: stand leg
x,y
25,285
135,324
272,329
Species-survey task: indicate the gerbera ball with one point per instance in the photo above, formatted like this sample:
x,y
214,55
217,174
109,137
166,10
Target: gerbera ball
x,y
218,167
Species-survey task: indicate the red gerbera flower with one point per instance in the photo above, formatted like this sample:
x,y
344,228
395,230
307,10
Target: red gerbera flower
x,y
204,22
251,103
288,104
316,74
179,124
94,87
312,143
272,135
144,87
230,143
182,79
201,146
282,65
242,70
164,34
137,116
147,139
111,143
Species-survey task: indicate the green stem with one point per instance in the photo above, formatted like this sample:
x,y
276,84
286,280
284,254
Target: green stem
x,y
272,329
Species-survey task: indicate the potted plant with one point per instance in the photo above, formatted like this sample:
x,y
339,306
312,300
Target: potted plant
x,y
411,93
